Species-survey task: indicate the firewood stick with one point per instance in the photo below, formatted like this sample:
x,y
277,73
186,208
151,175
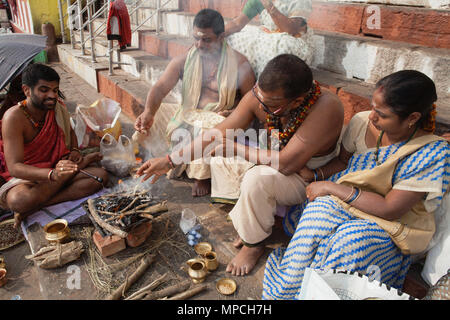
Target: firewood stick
x,y
142,292
160,207
146,215
145,263
188,293
168,291
129,206
103,224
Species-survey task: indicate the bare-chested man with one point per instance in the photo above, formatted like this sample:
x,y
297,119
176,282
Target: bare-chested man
x,y
214,78
38,156
309,119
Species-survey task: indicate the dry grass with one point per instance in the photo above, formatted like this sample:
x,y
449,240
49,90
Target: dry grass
x,y
166,241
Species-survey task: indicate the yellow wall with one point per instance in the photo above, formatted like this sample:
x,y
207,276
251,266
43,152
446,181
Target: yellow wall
x,y
46,11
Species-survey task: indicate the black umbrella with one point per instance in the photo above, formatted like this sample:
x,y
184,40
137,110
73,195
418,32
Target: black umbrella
x,y
17,50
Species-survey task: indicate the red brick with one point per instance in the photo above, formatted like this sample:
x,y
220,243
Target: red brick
x,y
176,48
108,245
153,44
138,235
195,6
420,26
429,28
229,8
353,103
336,17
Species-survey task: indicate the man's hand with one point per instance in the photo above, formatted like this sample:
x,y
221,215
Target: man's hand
x,y
144,122
156,167
75,156
64,169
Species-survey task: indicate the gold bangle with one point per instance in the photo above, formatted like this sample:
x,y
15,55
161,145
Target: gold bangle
x,y
350,195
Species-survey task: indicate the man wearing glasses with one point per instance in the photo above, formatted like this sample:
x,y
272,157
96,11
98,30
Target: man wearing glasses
x,y
214,78
304,123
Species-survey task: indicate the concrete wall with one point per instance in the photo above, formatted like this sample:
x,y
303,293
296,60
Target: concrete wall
x,y
45,11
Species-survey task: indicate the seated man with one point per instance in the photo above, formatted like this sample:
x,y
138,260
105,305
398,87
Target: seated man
x,y
214,78
308,120
38,156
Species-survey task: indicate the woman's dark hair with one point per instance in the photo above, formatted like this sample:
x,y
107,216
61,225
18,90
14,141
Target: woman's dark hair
x,y
208,18
37,71
409,91
287,72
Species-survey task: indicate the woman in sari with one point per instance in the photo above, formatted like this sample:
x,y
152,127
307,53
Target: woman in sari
x,y
376,207
283,30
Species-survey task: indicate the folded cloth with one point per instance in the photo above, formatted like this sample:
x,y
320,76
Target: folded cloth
x,y
69,210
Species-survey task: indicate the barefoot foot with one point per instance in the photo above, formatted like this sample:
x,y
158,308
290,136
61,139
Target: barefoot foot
x,y
201,188
245,260
238,243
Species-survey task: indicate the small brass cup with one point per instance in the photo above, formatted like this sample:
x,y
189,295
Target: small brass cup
x,y
197,270
211,260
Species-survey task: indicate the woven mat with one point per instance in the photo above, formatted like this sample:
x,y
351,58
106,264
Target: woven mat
x,y
9,236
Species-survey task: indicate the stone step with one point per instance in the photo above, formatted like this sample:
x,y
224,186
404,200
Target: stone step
x,y
136,63
425,27
355,56
371,59
422,26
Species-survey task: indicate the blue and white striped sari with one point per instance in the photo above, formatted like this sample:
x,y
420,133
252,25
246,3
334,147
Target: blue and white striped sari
x,y
325,236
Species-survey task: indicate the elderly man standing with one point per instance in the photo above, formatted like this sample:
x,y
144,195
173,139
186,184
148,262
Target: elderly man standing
x,y
214,78
39,162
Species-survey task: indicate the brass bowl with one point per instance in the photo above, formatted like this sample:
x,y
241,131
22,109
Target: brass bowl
x,y
2,276
202,248
57,230
226,286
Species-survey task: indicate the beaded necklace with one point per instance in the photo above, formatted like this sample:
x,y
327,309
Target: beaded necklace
x,y
37,124
377,150
297,116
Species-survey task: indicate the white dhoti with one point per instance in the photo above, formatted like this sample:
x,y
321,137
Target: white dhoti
x,y
259,189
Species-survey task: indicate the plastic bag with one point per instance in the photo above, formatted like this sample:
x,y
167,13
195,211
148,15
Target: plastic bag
x,y
93,122
344,285
118,155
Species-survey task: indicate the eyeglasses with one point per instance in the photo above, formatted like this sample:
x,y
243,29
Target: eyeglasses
x,y
266,108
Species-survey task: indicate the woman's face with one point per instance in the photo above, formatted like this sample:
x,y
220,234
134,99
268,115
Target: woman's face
x,y
383,118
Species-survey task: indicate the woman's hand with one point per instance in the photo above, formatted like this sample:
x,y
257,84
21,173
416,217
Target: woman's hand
x,y
156,167
319,189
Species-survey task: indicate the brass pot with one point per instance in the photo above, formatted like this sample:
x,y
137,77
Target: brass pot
x,y
57,231
210,259
197,270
